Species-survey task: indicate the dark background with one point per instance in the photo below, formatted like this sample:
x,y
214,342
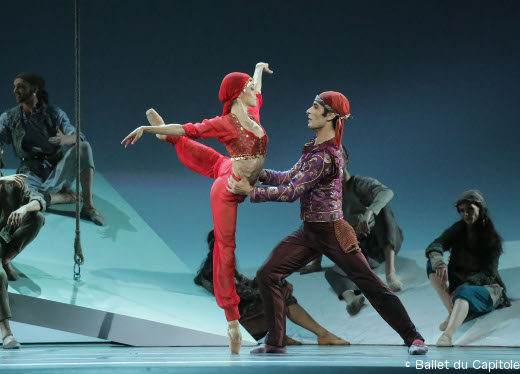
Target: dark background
x,y
433,87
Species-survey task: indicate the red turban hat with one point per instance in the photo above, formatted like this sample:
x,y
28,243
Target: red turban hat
x,y
231,87
338,104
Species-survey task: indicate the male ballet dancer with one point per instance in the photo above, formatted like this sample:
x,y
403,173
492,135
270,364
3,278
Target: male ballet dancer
x,y
316,181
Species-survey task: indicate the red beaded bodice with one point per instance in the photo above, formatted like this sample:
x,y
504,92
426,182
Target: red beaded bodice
x,y
246,145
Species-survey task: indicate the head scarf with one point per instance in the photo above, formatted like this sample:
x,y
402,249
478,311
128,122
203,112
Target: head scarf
x,y
338,104
231,87
471,197
36,81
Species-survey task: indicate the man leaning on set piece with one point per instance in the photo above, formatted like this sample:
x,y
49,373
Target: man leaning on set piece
x,y
43,139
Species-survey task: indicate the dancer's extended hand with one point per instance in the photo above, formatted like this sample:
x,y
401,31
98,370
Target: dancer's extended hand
x,y
264,66
363,228
17,179
133,137
241,187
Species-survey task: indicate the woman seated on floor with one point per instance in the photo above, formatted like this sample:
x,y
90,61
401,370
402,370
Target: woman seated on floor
x,y
251,305
469,286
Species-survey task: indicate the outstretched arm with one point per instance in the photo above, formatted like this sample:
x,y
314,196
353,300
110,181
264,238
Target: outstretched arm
x,y
257,76
218,127
168,130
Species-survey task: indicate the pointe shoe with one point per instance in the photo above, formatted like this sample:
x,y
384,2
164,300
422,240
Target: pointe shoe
x,y
10,343
235,337
418,348
155,119
444,325
444,341
332,340
266,348
355,305
394,283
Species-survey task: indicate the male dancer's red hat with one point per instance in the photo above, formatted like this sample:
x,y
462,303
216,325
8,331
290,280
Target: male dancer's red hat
x,y
338,104
231,87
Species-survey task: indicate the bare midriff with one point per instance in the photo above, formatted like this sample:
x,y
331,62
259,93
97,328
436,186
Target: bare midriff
x,y
249,167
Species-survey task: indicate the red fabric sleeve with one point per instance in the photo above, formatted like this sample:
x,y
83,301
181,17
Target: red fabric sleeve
x,y
218,127
255,110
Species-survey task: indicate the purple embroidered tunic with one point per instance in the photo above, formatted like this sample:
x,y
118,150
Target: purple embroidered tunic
x,y
315,179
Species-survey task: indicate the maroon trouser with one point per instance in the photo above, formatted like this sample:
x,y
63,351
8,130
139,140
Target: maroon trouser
x,y
301,247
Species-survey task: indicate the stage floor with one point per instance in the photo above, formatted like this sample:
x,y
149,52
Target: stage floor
x,y
106,357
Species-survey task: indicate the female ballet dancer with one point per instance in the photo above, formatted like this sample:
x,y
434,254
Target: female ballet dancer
x,y
246,141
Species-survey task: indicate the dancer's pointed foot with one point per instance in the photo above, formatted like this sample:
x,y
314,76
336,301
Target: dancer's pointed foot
x,y
11,273
355,305
291,341
155,119
418,348
331,339
266,348
235,337
444,341
393,282
10,342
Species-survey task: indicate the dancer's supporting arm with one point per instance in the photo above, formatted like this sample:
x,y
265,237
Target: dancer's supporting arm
x,y
277,178
307,174
435,251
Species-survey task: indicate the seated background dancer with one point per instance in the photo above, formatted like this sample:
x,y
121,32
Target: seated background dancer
x,y
470,285
20,219
8,340
43,139
251,306
20,222
316,181
246,141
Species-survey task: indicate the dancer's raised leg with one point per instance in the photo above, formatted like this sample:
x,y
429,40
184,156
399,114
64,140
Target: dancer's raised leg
x,y
195,156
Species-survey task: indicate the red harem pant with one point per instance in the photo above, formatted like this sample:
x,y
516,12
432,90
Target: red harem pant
x,y
208,162
304,245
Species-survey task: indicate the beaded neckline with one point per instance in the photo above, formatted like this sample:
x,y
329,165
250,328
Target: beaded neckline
x,y
237,121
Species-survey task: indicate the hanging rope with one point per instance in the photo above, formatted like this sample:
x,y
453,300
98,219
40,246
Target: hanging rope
x,y
78,252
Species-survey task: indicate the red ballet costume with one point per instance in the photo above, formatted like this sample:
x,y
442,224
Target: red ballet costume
x,y
240,143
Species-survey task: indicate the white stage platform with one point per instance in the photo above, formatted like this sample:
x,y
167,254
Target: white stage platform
x,y
108,358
